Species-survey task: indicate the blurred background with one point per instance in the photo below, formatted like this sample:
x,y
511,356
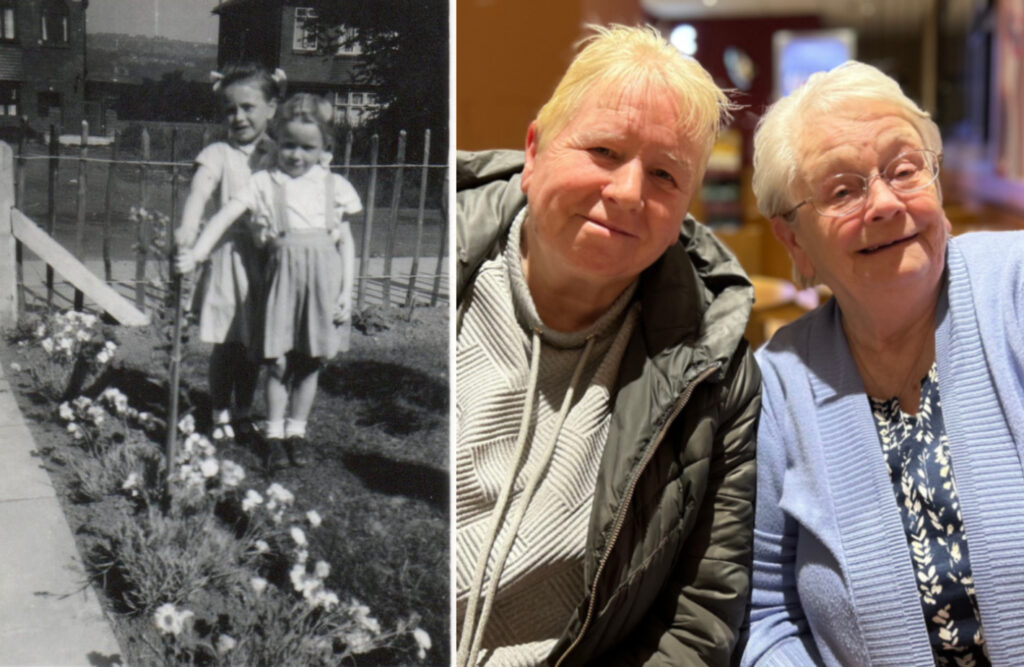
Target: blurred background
x,y
961,60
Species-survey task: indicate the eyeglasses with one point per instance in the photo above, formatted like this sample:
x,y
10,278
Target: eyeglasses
x,y
843,194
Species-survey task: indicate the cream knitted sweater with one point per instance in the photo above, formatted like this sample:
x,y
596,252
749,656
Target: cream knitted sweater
x,y
541,580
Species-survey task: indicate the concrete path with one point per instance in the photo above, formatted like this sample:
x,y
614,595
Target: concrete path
x,y
48,616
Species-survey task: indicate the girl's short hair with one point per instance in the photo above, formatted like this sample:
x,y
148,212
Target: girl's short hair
x,y
272,84
308,108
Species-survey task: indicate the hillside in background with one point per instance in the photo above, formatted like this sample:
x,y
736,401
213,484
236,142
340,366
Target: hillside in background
x,y
133,58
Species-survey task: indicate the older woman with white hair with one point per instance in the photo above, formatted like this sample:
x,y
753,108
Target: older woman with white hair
x,y
890,486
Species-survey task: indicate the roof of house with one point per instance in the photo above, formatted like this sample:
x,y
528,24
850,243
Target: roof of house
x,y
234,4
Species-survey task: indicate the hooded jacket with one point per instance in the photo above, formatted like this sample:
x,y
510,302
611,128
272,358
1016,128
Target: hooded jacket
x,y
668,547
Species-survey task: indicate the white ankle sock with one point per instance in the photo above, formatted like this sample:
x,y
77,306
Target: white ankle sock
x,y
273,428
293,428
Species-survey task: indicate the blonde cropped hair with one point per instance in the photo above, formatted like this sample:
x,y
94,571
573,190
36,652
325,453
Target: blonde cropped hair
x,y
780,128
308,108
617,55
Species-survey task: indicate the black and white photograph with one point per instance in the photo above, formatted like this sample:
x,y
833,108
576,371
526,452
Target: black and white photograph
x,y
224,365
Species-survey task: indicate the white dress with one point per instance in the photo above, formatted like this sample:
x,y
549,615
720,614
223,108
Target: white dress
x,y
294,216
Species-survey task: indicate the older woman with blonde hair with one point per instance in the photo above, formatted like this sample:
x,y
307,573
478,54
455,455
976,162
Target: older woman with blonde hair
x,y
606,402
890,486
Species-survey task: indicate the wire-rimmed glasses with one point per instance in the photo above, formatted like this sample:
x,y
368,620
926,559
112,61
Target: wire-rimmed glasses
x,y
843,194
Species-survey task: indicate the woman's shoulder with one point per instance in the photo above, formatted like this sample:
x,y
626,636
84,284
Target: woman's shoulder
x,y
792,344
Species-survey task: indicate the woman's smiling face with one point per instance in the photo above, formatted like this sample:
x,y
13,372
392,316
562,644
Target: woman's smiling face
x,y
607,194
896,240
300,145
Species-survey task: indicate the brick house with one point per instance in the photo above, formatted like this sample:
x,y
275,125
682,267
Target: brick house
x,y
276,33
42,64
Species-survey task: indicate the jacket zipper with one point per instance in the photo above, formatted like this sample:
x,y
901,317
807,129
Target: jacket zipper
x,y
620,518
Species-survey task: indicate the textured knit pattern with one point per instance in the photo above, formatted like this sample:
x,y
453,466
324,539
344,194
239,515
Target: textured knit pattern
x,y
833,580
542,581
227,296
916,451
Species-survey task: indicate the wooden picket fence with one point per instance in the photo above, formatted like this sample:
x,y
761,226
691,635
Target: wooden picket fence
x,y
394,260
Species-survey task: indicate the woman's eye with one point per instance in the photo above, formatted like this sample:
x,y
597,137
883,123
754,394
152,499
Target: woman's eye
x,y
602,151
663,175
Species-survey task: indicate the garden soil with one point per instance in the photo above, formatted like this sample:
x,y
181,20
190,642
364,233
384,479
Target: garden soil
x,y
378,474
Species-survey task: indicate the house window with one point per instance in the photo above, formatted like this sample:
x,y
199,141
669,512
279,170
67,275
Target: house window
x,y
46,100
8,99
304,34
344,42
7,31
305,38
354,108
53,22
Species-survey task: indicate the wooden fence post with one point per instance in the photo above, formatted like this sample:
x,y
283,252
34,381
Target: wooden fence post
x,y
348,152
108,202
396,197
51,221
8,267
371,196
444,242
141,254
19,201
83,154
414,271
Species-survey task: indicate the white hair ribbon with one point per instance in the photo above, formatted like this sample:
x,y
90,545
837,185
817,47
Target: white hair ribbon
x,y
215,78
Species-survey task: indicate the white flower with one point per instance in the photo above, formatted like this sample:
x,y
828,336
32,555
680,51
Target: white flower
x,y
102,357
133,481
298,536
301,556
209,468
15,367
121,404
261,546
322,569
76,430
169,620
225,643
96,414
110,346
40,331
83,335
314,518
358,641
187,424
280,494
65,412
324,598
423,644
88,319
145,418
252,499
362,614
82,403
47,344
231,474
259,584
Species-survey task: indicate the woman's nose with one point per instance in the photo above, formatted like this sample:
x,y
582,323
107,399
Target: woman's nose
x,y
626,185
882,201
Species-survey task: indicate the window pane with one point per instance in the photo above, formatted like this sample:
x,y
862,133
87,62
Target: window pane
x,y
8,21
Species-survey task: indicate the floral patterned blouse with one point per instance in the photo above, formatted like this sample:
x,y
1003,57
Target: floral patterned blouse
x,y
917,455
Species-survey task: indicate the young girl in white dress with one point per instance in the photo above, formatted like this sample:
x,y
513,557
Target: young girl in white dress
x,y
298,210
228,295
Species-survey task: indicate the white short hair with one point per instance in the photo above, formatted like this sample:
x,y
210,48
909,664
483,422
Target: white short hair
x,y
780,129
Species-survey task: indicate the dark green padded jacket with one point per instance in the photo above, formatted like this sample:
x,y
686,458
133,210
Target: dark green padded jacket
x,y
668,551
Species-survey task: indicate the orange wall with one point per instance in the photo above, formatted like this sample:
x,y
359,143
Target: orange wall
x,y
509,56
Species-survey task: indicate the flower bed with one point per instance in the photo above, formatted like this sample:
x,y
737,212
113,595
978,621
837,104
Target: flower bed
x,y
222,562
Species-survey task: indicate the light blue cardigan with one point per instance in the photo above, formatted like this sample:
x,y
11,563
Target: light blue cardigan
x,y
833,582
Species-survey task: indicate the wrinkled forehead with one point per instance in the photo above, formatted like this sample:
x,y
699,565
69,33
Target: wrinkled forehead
x,y
852,136
635,98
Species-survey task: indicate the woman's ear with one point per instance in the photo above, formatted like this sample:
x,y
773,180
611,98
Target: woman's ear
x,y
531,155
787,235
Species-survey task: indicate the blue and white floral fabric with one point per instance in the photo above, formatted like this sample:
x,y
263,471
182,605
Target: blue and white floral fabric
x,y
918,458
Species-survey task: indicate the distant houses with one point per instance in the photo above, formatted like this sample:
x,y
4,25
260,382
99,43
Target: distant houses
x,y
42,63
282,33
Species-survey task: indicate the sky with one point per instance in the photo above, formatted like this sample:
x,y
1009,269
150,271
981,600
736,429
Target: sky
x,y
174,19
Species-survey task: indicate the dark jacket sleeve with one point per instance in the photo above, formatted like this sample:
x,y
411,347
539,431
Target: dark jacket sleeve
x,y
698,619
